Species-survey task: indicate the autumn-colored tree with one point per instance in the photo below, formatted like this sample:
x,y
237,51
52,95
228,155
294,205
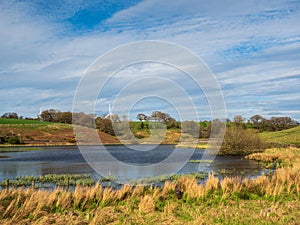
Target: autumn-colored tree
x,y
105,125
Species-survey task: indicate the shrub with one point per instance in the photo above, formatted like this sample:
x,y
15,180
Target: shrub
x,y
105,125
2,140
14,140
240,141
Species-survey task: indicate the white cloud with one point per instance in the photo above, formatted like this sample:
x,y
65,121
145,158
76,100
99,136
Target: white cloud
x,y
253,47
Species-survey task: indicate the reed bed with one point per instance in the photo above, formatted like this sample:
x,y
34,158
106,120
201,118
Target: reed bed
x,y
278,157
264,200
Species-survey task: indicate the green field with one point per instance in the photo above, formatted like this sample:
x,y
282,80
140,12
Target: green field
x,y
21,121
290,136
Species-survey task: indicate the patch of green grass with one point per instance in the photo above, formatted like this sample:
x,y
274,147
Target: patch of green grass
x,y
57,179
21,121
200,161
289,136
19,149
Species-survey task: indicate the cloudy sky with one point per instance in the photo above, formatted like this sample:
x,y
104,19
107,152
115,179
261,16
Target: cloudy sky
x,y
252,47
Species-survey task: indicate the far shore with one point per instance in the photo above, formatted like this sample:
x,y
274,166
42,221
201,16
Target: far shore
x,y
201,146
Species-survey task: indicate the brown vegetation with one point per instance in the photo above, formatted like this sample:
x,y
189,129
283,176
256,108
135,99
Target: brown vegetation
x,y
263,200
240,141
48,134
280,157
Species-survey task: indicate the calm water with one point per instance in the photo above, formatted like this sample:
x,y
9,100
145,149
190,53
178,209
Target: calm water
x,y
68,159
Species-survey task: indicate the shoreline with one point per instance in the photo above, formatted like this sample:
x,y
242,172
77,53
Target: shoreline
x,y
178,145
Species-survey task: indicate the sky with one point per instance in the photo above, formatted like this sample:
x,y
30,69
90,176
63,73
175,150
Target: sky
x,y
252,48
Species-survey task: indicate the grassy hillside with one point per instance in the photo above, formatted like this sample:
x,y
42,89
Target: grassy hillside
x,y
290,136
32,132
45,133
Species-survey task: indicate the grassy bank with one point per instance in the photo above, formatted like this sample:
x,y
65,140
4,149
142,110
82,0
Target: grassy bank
x,y
265,200
278,157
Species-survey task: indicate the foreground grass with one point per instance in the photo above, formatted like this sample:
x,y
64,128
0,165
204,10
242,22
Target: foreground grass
x,y
265,200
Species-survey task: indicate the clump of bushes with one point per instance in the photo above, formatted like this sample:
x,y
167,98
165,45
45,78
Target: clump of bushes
x,y
10,139
240,141
14,140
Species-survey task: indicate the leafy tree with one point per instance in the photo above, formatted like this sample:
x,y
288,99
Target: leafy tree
x,y
192,128
142,117
238,119
49,115
165,118
105,125
83,119
64,117
272,124
205,127
217,127
172,123
10,115
158,116
256,119
281,123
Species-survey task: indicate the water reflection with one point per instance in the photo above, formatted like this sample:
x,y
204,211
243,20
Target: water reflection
x,y
61,160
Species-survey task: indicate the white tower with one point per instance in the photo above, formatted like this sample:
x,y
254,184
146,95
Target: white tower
x,y
109,115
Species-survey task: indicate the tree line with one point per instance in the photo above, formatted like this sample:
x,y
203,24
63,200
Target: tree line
x,y
272,124
104,124
240,134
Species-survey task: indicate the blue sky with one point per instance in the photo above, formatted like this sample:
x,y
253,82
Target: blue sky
x,y
252,47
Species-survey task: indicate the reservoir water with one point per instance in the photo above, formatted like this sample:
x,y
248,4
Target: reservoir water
x,y
68,159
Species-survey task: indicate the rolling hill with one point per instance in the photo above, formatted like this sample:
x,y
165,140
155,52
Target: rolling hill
x,y
290,136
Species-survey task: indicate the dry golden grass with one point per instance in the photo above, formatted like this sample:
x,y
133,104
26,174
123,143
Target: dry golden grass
x,y
287,178
290,157
200,203
231,185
